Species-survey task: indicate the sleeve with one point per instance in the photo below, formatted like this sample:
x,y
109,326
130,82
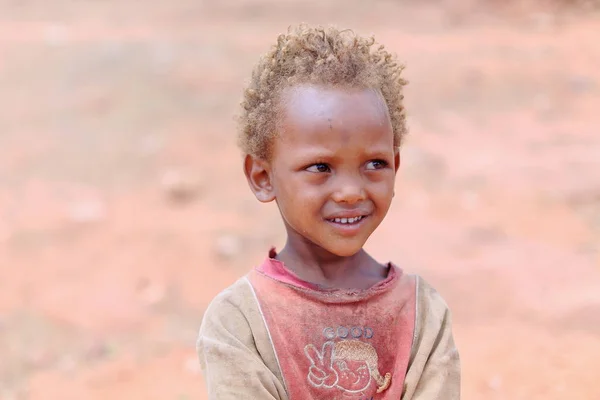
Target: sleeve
x,y
231,363
434,370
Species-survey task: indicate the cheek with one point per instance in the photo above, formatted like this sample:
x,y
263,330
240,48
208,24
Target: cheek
x,y
295,190
295,202
383,190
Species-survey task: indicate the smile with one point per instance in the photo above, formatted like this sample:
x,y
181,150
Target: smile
x,y
348,221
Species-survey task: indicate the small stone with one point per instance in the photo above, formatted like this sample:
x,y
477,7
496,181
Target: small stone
x,y
67,363
97,350
179,186
470,200
151,293
228,246
580,84
87,211
543,104
543,21
495,383
164,56
151,145
192,366
56,35
39,358
474,77
487,234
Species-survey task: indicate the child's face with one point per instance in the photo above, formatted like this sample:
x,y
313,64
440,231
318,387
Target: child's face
x,y
332,166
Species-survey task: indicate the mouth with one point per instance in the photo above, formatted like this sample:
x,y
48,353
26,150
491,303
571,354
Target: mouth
x,y
347,221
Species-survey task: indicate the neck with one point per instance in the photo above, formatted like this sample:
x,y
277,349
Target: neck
x,y
317,265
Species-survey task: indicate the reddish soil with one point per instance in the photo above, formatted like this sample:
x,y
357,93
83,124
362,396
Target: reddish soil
x,y
123,209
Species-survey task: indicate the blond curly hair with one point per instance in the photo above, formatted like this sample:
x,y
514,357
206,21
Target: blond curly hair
x,y
315,55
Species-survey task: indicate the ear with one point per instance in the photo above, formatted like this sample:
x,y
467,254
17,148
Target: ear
x,y
396,159
258,174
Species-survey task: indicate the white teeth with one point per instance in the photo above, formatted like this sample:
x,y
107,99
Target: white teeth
x,y
347,220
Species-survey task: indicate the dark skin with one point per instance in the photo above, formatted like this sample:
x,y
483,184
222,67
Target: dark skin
x,y
332,172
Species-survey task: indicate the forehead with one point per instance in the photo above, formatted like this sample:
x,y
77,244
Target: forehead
x,y
330,115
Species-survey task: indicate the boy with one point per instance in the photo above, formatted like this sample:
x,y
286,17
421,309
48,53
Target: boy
x,y
322,123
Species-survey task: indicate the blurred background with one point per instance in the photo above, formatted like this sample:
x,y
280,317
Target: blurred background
x,y
124,210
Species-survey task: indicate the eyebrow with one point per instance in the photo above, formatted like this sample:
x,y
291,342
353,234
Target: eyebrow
x,y
380,152
325,154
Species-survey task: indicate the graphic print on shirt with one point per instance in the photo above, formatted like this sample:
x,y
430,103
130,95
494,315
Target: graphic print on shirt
x,y
346,363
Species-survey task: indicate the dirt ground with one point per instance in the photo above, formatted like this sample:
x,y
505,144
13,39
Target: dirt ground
x,y
123,209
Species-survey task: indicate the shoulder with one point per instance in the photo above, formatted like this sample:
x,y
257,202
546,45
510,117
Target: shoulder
x,y
427,299
432,314
430,303
234,342
433,318
230,305
230,320
430,309
434,366
235,314
233,295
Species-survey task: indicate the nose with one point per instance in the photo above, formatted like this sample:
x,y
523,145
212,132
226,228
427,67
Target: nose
x,y
349,190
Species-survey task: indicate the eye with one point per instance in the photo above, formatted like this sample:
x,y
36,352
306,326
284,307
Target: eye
x,y
319,167
376,164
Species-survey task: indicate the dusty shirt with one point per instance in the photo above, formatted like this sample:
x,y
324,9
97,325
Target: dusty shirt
x,y
274,336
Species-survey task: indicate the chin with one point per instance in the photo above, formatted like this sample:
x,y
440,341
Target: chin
x,y
344,251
